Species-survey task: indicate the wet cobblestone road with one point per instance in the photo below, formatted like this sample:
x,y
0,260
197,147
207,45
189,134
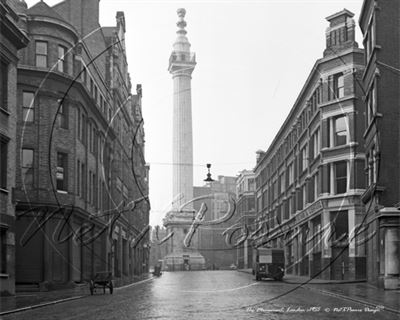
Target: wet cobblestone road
x,y
207,295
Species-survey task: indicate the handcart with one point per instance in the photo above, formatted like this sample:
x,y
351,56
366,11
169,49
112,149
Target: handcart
x,y
101,280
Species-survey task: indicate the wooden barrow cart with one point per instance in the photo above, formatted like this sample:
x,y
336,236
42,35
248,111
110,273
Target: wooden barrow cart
x,y
101,280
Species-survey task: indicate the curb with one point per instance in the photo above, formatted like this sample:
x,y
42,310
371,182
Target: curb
x,y
45,304
311,281
36,306
134,283
367,303
322,282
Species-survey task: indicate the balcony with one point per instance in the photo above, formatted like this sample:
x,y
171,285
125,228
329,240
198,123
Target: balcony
x,y
182,57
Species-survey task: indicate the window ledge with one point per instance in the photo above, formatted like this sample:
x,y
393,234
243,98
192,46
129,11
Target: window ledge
x,y
4,191
62,191
5,111
342,146
4,275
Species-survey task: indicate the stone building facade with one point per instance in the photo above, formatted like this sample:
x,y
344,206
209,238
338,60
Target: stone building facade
x,y
310,180
82,189
380,25
12,39
246,212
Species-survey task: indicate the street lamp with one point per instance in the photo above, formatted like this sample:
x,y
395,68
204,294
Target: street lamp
x,y
209,179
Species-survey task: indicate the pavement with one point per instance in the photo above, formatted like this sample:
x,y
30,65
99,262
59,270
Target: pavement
x,y
32,300
357,291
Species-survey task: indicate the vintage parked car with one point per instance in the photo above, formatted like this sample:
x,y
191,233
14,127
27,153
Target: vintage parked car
x,y
269,263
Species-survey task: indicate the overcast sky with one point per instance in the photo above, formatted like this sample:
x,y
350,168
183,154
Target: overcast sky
x,y
253,58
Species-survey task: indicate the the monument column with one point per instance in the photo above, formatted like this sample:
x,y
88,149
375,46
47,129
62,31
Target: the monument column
x,y
181,65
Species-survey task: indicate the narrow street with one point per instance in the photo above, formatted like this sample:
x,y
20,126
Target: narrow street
x,y
207,295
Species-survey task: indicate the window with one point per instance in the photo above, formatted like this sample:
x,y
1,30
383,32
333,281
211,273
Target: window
x,y
316,143
370,40
61,173
282,183
63,117
90,132
41,54
28,106
275,189
371,103
340,177
303,159
94,190
371,166
291,173
3,85
340,226
340,131
317,239
336,86
78,179
27,167
62,61
83,129
3,248
315,181
94,140
3,163
83,180
90,187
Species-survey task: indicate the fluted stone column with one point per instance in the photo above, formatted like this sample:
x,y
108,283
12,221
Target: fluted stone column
x,y
181,65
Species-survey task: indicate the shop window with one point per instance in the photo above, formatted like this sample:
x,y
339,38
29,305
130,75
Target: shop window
x,y
340,227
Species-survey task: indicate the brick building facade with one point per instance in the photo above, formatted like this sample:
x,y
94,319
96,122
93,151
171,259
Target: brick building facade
x,y
12,38
310,180
82,189
380,25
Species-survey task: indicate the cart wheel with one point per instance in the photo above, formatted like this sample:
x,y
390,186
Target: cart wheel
x,y
111,287
91,287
